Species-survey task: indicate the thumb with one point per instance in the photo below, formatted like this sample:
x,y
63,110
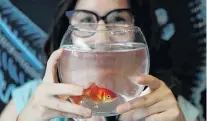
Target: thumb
x,y
51,68
152,82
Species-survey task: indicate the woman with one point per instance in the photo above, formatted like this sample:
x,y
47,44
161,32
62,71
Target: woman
x,y
38,101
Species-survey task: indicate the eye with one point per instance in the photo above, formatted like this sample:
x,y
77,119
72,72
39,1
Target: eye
x,y
119,19
87,20
108,96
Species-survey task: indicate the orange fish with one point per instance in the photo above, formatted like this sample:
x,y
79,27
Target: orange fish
x,y
96,94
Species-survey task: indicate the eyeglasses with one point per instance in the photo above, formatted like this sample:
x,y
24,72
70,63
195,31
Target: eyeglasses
x,y
117,16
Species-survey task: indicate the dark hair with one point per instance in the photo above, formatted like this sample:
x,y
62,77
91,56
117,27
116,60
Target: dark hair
x,y
145,19
140,8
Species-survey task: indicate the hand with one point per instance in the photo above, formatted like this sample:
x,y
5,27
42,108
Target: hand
x,y
44,104
95,118
156,103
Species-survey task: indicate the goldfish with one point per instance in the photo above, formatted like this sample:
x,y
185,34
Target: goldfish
x,y
96,94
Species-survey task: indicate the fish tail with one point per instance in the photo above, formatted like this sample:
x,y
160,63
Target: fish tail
x,y
76,99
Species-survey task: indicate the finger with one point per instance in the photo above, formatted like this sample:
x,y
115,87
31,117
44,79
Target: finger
x,y
169,115
145,92
65,106
60,89
150,81
95,118
145,101
57,114
141,113
129,116
51,68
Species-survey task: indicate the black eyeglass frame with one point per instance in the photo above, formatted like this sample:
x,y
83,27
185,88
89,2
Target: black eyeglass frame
x,y
70,13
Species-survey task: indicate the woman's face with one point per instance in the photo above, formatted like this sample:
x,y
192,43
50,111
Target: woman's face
x,y
111,11
96,66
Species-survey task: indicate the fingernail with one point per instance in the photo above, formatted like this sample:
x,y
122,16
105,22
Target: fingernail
x,y
123,108
87,112
139,79
119,109
59,50
79,91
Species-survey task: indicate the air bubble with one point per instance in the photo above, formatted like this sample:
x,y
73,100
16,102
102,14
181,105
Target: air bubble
x,y
96,106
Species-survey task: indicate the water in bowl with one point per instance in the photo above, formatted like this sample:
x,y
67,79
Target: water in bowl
x,y
111,66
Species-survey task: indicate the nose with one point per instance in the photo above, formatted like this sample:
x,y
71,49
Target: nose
x,y
101,25
103,34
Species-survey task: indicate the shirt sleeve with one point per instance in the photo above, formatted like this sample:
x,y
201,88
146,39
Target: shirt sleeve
x,y
22,94
191,113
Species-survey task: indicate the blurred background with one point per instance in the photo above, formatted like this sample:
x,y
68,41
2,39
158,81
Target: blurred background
x,y
24,25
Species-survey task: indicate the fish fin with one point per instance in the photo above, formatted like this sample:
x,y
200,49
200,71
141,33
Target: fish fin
x,y
88,91
92,85
101,95
96,101
76,99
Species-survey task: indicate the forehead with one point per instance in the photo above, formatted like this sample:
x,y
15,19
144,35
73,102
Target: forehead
x,y
101,7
